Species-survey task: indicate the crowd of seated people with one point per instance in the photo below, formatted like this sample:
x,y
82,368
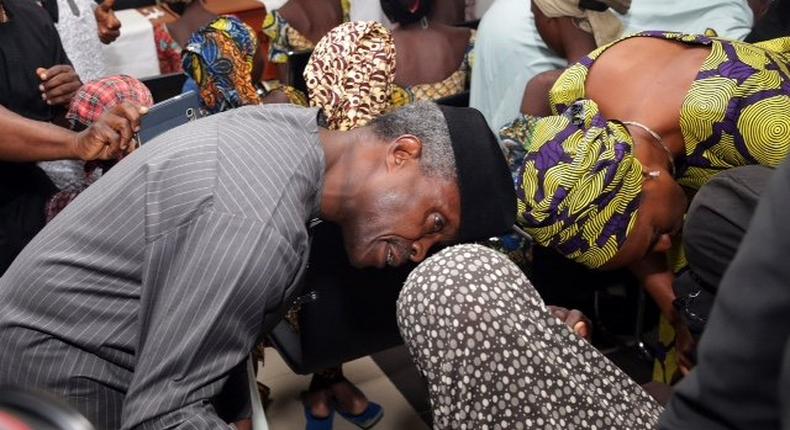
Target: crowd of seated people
x,y
644,135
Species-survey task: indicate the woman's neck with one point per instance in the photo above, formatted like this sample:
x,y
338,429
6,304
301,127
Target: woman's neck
x,y
650,149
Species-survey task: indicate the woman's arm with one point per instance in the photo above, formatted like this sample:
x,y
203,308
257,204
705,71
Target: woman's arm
x,y
536,95
656,278
566,40
563,36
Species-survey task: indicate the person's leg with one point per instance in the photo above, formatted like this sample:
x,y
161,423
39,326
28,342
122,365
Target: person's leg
x,y
494,356
737,382
771,20
319,395
330,390
233,402
348,397
716,222
33,360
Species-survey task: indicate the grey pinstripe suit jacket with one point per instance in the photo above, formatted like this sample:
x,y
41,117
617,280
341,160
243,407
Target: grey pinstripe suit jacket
x,y
137,301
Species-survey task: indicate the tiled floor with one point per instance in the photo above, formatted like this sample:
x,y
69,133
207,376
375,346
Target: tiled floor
x,y
286,413
390,379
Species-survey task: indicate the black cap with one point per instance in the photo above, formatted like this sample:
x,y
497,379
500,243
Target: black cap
x,y
488,195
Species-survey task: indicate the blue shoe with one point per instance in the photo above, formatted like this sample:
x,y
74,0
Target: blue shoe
x,y
366,419
315,423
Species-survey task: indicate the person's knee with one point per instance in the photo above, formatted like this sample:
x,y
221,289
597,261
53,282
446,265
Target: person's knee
x,y
718,218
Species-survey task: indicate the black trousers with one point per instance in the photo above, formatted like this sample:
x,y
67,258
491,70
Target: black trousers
x,y
742,378
24,190
715,224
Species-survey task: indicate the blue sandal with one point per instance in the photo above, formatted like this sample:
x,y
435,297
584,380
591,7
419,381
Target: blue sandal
x,y
315,423
368,418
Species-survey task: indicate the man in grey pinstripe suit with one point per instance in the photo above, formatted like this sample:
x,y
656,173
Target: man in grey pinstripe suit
x,y
140,301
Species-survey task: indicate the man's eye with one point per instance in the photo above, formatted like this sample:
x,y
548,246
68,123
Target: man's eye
x,y
438,223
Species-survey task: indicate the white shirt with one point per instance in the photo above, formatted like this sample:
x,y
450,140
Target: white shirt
x,y
80,38
368,10
509,51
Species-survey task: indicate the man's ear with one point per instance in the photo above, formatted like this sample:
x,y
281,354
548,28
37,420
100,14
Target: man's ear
x,y
402,150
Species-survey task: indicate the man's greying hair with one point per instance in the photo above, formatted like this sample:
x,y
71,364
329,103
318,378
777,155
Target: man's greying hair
x,y
425,121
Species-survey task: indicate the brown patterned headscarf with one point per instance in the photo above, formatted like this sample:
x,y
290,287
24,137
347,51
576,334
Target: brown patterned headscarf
x,y
351,74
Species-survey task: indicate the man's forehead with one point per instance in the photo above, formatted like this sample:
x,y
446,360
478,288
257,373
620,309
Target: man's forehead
x,y
442,185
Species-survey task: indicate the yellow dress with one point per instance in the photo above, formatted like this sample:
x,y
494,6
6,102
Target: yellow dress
x,y
736,113
454,84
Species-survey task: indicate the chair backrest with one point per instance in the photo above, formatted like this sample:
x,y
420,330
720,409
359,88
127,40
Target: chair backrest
x,y
297,61
258,414
459,100
164,87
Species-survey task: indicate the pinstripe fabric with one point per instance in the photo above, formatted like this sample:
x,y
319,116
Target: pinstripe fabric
x,y
137,301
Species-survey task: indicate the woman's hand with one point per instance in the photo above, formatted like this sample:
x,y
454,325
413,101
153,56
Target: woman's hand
x,y
656,278
574,319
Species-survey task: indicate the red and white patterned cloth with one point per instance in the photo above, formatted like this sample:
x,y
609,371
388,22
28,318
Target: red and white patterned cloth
x,y
95,97
90,102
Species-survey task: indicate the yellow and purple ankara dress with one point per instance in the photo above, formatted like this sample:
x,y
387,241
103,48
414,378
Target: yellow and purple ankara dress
x,y
577,176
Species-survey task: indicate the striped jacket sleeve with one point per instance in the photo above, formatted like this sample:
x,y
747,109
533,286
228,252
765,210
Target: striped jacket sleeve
x,y
208,286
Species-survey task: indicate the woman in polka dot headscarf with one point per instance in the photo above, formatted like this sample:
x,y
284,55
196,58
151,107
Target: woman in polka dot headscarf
x,y
494,356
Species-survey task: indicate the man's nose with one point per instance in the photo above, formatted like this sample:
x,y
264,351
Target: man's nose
x,y
420,248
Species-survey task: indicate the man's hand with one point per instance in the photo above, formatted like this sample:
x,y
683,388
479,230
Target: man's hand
x,y
574,319
58,84
108,23
111,136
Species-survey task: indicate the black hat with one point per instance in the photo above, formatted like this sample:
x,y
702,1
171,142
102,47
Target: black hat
x,y
488,195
